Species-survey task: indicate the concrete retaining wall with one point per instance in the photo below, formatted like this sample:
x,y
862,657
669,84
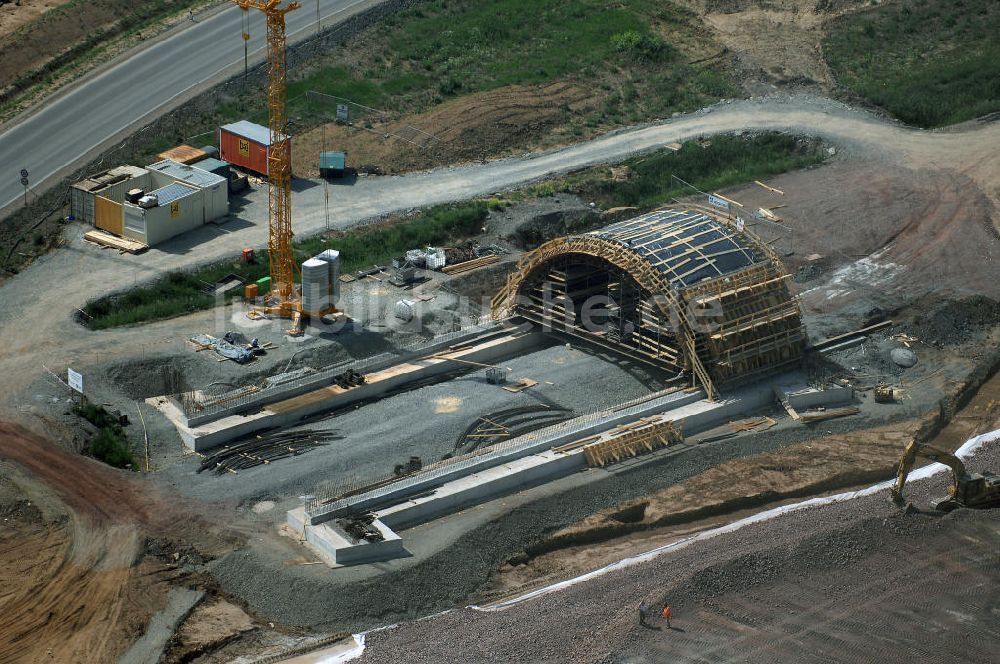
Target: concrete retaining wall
x,y
325,378
234,426
480,487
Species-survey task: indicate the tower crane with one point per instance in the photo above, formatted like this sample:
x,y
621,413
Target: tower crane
x,y
285,299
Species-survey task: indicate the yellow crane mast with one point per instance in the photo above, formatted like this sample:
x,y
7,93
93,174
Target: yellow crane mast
x,y
285,299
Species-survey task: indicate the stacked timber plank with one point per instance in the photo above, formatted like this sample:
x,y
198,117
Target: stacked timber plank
x,y
466,266
114,242
828,414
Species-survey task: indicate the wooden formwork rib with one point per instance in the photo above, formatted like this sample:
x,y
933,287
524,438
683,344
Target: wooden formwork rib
x,y
631,440
725,328
644,273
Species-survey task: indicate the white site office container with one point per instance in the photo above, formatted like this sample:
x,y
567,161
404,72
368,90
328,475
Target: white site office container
x,y
315,285
214,188
332,259
111,184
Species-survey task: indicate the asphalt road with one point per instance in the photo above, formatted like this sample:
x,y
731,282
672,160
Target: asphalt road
x,y
99,111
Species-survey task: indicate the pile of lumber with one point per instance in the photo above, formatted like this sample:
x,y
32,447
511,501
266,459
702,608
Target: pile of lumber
x,y
459,268
103,239
749,425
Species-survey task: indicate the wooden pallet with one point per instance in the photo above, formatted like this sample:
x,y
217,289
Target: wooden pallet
x,y
521,385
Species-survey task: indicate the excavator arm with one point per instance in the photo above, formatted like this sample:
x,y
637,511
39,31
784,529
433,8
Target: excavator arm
x,y
910,454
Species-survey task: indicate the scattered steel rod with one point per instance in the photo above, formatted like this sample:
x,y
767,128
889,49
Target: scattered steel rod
x,y
262,450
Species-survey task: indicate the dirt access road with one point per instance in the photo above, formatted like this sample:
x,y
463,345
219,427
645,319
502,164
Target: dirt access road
x,y
73,586
40,300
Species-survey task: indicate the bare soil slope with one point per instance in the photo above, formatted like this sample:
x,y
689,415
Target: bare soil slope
x,y
470,128
776,41
14,14
75,585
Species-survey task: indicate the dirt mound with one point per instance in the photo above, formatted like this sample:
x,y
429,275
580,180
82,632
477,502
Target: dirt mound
x,y
14,14
777,41
100,495
81,587
474,127
799,470
209,627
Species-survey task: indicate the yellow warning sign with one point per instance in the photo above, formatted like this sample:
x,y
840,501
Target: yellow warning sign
x,y
175,209
244,147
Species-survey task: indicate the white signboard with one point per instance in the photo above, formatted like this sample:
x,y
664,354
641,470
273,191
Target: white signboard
x,y
343,113
740,224
75,380
718,202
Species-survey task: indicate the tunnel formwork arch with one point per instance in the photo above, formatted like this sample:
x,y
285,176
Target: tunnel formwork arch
x,y
682,288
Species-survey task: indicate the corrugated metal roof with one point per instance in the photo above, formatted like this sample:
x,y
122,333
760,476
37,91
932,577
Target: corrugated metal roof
x,y
210,164
190,174
131,171
687,247
172,192
247,129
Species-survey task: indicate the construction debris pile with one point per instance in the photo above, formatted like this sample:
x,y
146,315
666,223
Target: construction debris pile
x,y
230,347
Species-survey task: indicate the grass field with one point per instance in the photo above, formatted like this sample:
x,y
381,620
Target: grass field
x,y
180,293
930,63
726,161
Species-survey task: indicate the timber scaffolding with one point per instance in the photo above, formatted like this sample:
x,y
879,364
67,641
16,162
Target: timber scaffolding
x,y
686,290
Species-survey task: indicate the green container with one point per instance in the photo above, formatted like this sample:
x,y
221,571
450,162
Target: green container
x,y
336,161
332,164
263,285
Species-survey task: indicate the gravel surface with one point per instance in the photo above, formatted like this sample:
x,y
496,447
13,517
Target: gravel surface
x,y
424,422
315,597
854,581
955,321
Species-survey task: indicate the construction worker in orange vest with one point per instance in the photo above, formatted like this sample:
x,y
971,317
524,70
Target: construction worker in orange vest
x,y
667,615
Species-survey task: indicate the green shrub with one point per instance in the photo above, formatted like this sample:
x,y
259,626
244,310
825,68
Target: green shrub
x,y
727,161
111,447
110,444
96,415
